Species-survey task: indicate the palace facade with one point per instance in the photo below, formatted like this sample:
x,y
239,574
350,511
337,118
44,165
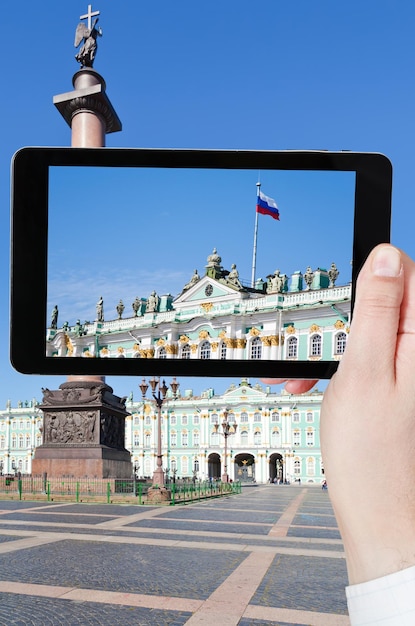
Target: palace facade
x,y
277,435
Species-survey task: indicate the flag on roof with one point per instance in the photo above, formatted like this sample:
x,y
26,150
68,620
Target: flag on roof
x,y
267,206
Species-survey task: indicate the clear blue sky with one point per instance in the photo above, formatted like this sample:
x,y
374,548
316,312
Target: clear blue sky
x,y
236,74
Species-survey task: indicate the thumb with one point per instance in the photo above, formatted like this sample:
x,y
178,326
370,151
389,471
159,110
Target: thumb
x,y
379,292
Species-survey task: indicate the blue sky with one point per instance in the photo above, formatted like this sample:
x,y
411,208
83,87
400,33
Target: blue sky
x,y
237,74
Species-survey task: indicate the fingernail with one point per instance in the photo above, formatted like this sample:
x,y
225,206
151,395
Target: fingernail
x,y
387,262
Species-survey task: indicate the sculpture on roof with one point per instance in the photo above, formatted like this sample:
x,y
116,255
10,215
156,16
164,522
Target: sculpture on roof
x,y
100,310
333,274
88,34
308,277
214,259
54,320
233,277
194,279
120,309
275,283
152,302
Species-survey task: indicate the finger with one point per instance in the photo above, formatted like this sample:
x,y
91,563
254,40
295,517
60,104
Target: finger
x,y
292,386
372,342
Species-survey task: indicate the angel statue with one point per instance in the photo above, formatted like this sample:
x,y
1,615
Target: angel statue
x,y
86,54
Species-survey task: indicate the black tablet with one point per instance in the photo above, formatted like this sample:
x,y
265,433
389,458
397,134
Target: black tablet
x,y
190,262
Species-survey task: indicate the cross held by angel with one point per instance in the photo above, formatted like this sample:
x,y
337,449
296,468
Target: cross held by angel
x,y
88,34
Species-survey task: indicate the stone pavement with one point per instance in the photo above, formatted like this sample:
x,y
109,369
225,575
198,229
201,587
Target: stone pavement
x,y
269,556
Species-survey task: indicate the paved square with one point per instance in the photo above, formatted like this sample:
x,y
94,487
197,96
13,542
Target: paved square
x,y
271,556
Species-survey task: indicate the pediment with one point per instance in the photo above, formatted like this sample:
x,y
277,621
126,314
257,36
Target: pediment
x,y
207,289
243,391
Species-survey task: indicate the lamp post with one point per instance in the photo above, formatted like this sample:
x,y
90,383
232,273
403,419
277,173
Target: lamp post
x,y
228,429
159,392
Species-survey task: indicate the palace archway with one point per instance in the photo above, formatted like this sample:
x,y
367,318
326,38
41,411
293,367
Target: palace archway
x,y
276,467
245,467
214,469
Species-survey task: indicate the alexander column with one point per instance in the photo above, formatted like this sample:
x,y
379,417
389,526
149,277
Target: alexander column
x,y
83,421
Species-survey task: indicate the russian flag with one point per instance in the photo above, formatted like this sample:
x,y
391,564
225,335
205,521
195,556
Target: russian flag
x,y
267,206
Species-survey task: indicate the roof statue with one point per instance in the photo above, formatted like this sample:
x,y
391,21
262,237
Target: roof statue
x,y
88,34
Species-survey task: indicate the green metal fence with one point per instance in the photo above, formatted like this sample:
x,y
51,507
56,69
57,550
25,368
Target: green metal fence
x,y
110,490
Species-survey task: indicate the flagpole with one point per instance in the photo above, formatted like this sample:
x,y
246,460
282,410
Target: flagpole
x,y
255,240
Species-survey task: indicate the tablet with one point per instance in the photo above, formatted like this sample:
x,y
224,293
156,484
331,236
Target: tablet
x,y
190,262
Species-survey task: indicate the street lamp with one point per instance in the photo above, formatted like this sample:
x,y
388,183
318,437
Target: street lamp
x,y
228,429
159,392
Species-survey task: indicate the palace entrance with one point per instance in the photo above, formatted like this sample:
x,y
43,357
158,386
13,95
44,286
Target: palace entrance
x,y
276,467
245,468
214,466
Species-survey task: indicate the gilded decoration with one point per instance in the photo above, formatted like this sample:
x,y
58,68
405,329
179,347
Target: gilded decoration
x,y
314,328
230,343
161,342
254,332
275,341
120,350
290,330
146,353
171,349
214,346
104,351
204,334
193,348
266,341
87,354
347,329
69,345
136,347
339,324
240,343
184,339
206,306
222,334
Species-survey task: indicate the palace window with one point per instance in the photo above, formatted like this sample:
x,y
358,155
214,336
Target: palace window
x,y
244,437
244,416
136,439
38,440
136,420
275,416
256,348
184,419
173,440
309,417
310,437
257,438
148,419
257,416
196,465
340,343
297,466
315,345
28,441
196,438
185,465
162,353
14,441
186,351
173,420
275,438
196,418
2,442
311,466
147,440
296,417
214,439
296,437
185,439
214,419
222,354
205,350
292,348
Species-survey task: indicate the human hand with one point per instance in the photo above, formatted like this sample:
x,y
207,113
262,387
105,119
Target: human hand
x,y
367,422
292,386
